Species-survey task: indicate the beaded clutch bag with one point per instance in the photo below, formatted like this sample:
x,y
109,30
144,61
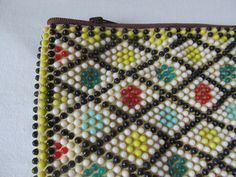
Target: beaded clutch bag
x,y
120,100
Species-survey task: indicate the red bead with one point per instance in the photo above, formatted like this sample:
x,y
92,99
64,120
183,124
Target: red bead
x,y
57,57
124,92
57,49
57,154
64,150
203,94
57,145
130,96
65,53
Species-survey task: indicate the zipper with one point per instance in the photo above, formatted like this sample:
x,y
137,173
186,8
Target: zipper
x,y
99,21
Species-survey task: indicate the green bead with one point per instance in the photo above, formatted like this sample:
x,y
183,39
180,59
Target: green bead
x,y
96,175
102,170
95,166
87,172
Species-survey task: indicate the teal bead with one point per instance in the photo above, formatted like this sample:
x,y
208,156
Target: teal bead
x,y
228,80
102,170
98,117
230,116
92,121
167,109
96,175
162,113
93,131
158,71
168,117
174,120
99,125
94,166
169,124
91,113
84,126
84,117
163,67
171,172
173,113
163,121
87,172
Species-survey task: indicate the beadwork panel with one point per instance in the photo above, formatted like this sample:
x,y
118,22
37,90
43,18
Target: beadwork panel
x,y
120,102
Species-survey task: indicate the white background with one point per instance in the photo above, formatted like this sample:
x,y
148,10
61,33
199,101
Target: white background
x,y
21,22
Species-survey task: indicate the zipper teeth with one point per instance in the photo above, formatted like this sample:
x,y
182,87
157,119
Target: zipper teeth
x,y
58,20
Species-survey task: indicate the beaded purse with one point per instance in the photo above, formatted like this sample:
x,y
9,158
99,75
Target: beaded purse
x,y
120,100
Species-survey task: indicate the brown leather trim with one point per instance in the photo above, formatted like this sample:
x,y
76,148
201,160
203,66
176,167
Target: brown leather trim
x,y
106,23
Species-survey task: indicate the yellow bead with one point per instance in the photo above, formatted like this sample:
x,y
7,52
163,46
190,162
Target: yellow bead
x,y
119,54
41,104
84,29
72,29
216,37
203,31
144,147
41,120
135,135
41,165
212,145
128,140
213,132
131,59
45,35
59,27
97,37
64,99
44,49
42,155
57,95
209,136
119,33
202,133
108,32
131,53
130,33
41,129
120,60
84,36
158,42
183,31
56,103
42,139
173,30
125,51
96,30
44,43
214,30
163,37
41,112
91,40
45,29
130,149
204,141
152,39
126,62
151,33
137,143
217,140
205,130
138,153
162,31
41,174
140,34
42,146
142,138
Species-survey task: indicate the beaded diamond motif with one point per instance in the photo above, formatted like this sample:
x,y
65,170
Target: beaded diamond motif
x,y
129,102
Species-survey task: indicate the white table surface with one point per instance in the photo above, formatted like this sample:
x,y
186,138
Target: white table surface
x,y
21,22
